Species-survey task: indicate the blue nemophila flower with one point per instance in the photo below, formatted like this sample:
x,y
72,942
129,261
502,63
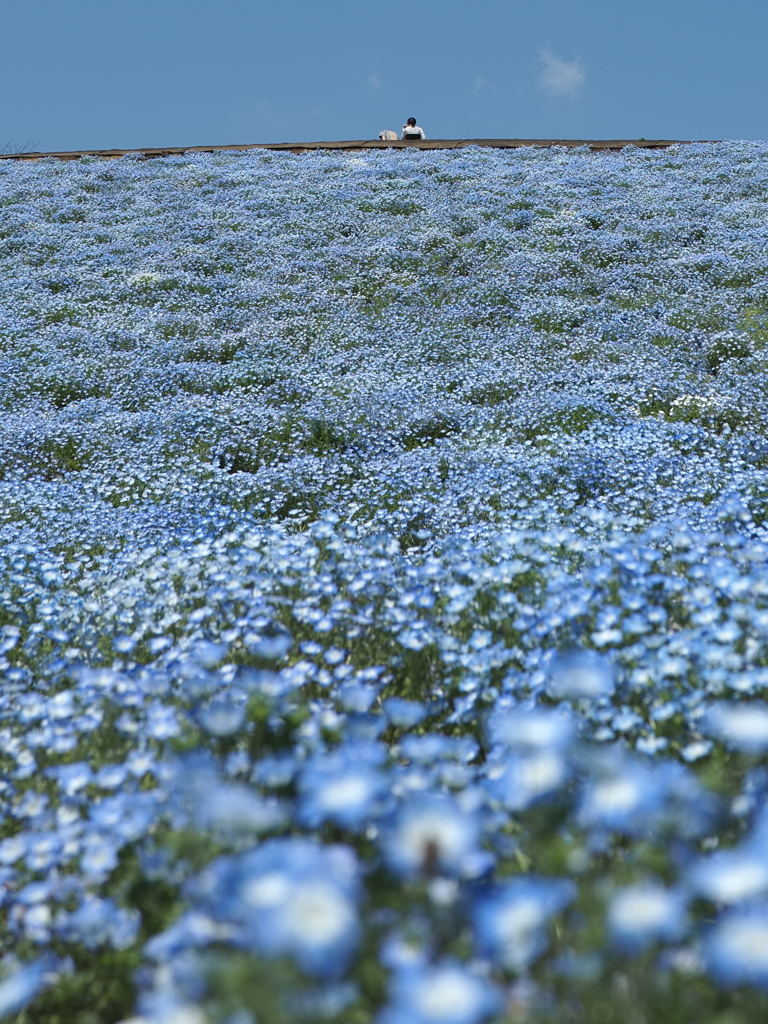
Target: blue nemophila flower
x,y
531,729
344,786
519,782
100,922
433,835
644,913
431,746
140,762
538,740
162,722
446,993
581,674
276,771
72,778
404,713
511,920
221,717
271,648
20,987
635,797
230,809
110,776
627,798
695,750
126,815
31,915
192,929
124,644
32,805
99,856
736,948
290,897
47,848
14,848
358,697
731,876
407,948
739,726
207,653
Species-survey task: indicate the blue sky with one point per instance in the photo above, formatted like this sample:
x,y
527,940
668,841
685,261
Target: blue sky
x,y
102,73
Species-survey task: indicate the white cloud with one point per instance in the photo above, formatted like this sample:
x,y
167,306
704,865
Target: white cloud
x,y
482,85
373,80
560,77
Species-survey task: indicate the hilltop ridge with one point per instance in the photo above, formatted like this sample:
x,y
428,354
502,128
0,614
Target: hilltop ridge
x,y
598,145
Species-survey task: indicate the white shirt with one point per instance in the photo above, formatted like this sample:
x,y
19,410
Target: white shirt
x,y
413,129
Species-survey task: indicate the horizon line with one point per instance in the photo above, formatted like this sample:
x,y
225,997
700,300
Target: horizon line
x,y
597,145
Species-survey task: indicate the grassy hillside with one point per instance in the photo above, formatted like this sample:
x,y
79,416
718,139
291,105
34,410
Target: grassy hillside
x,y
383,594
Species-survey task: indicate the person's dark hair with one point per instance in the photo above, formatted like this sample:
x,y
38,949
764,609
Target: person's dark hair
x,y
411,120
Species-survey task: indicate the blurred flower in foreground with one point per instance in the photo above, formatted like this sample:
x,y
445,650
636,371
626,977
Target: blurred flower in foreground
x,y
736,949
20,988
524,780
342,786
641,914
632,797
740,726
404,713
510,922
101,922
447,993
731,876
581,674
433,835
290,897
221,717
531,729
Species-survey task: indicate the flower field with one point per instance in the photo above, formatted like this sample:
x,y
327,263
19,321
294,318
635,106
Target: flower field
x,y
384,588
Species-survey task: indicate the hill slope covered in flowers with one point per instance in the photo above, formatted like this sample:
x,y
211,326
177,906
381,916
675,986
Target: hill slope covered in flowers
x,y
383,594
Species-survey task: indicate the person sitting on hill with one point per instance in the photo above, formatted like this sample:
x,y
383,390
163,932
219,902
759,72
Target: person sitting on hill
x,y
411,131
387,136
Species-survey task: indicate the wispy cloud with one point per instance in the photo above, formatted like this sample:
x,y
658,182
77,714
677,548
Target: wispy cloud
x,y
373,81
481,85
560,77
